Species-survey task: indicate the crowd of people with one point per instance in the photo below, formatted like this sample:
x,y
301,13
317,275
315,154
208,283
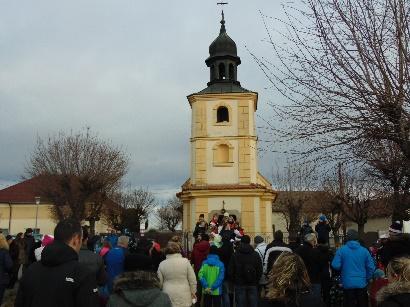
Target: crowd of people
x,y
224,268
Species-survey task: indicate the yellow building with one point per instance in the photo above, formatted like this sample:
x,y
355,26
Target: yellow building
x,y
21,207
224,163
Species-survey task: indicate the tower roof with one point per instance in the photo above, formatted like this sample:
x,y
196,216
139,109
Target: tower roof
x,y
223,62
223,44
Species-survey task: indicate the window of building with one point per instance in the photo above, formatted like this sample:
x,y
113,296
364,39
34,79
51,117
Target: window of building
x,y
231,72
222,115
222,154
222,73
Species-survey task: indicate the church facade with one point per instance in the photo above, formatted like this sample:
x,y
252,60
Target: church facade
x,y
224,172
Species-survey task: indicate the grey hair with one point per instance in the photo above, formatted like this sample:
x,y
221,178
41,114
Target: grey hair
x,y
123,240
310,237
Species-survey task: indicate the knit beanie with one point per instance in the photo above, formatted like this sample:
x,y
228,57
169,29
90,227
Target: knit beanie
x,y
352,235
322,218
47,239
395,228
258,240
246,239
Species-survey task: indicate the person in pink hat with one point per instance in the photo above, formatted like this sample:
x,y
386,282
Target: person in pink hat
x,y
47,239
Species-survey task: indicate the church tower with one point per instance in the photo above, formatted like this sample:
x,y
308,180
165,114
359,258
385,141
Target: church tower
x,y
224,166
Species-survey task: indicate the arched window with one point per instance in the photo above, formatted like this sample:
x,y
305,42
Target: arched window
x,y
222,115
222,73
231,72
222,154
212,72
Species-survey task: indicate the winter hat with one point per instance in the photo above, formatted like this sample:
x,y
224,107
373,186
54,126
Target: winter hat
x,y
258,240
278,235
395,228
352,235
138,262
322,218
226,214
47,239
213,250
246,239
378,274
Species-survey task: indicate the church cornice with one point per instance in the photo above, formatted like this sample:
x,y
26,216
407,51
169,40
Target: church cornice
x,y
225,96
217,138
207,191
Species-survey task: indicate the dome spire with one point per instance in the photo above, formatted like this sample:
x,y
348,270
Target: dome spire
x,y
223,30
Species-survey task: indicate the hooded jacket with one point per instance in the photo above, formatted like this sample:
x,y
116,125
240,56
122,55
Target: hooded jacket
x,y
272,252
57,280
244,257
396,294
355,263
323,229
199,253
94,263
313,261
114,261
6,266
211,274
138,289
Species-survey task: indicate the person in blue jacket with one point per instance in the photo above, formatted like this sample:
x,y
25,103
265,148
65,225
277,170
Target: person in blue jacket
x,y
114,261
211,275
112,238
357,268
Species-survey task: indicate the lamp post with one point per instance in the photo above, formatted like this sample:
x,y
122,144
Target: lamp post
x,y
37,198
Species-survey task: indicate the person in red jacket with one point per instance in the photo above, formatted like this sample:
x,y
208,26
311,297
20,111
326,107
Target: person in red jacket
x,y
200,252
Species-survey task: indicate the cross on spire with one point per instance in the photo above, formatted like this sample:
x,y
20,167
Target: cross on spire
x,y
223,17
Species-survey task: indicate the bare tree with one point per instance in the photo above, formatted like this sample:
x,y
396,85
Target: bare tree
x,y
386,164
137,205
76,171
113,213
170,215
353,195
294,186
344,70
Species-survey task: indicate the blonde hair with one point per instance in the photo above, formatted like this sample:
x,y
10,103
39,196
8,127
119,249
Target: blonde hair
x,y
3,242
287,279
400,267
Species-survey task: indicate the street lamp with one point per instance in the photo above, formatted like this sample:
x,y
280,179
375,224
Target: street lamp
x,y
37,198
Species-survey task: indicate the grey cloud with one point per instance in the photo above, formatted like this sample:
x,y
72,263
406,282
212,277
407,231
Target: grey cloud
x,y
124,68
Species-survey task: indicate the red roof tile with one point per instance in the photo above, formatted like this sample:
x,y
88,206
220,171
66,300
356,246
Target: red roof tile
x,y
23,192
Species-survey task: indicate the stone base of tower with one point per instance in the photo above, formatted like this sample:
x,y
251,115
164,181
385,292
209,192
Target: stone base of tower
x,y
251,204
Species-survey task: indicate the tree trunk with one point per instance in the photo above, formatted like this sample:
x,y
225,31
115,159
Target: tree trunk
x,y
360,230
92,227
400,207
138,226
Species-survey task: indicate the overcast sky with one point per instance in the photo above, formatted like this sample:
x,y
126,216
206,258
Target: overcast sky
x,y
123,68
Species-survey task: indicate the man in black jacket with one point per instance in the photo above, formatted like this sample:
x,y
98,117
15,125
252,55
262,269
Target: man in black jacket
x,y
273,250
59,280
92,261
313,260
245,270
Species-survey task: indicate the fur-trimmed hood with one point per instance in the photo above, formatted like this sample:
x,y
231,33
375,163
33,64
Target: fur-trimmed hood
x,y
136,280
394,289
138,289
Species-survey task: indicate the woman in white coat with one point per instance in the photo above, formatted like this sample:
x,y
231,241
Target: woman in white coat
x,y
177,278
